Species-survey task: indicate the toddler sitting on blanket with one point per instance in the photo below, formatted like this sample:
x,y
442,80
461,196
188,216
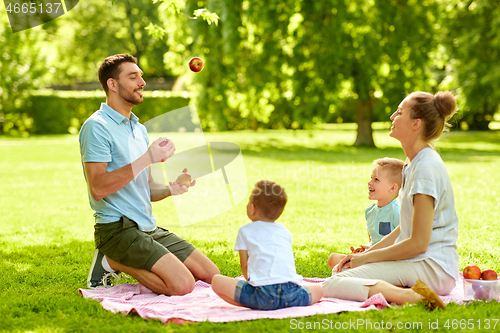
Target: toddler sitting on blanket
x,y
266,258
382,217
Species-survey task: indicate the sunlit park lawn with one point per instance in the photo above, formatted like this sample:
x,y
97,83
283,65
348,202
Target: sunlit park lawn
x,y
46,225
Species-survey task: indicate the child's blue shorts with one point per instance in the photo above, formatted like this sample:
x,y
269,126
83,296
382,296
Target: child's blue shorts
x,y
273,296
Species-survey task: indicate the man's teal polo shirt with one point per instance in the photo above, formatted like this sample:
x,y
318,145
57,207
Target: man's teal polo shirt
x,y
107,136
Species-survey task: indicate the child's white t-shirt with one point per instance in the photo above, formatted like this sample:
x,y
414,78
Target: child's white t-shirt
x,y
270,254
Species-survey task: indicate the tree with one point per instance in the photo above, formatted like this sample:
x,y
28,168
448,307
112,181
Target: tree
x,y
295,63
390,44
71,48
97,29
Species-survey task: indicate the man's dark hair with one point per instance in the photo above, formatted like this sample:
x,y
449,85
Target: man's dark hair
x,y
110,68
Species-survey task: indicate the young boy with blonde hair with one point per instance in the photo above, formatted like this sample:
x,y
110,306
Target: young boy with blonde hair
x,y
266,258
382,216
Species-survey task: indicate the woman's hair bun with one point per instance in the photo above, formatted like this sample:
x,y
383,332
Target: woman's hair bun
x,y
445,103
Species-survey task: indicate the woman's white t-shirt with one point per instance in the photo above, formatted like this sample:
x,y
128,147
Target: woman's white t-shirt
x,y
427,174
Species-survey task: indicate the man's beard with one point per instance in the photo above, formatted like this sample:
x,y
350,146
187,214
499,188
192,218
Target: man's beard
x,y
131,98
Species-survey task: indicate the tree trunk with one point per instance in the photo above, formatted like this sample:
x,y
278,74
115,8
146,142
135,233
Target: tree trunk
x,y
364,120
255,123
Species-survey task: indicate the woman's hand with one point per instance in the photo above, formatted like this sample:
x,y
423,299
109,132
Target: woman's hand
x,y
360,249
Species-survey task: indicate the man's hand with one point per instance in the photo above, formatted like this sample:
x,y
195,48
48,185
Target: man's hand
x,y
176,188
160,150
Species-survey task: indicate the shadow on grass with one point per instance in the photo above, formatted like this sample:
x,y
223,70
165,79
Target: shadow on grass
x,y
324,153
489,137
39,292
39,288
222,255
47,266
66,266
467,155
312,262
40,284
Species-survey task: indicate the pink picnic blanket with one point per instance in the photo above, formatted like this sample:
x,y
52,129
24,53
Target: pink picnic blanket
x,y
204,305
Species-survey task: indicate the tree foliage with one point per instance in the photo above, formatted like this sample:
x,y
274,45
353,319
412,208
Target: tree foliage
x,y
275,63
97,29
473,43
22,68
71,48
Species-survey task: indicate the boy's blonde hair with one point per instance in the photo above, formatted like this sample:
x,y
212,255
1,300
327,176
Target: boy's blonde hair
x,y
269,198
393,167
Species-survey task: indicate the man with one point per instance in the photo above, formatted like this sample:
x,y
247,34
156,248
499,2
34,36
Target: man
x,y
116,160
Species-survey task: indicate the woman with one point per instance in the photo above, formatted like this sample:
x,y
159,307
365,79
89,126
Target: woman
x,y
422,251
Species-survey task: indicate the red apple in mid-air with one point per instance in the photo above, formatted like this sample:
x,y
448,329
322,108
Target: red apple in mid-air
x,y
184,179
472,272
489,274
196,64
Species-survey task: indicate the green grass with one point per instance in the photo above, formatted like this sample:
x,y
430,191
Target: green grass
x,y
46,225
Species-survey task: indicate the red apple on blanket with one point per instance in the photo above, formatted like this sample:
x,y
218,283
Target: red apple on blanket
x,y
472,272
489,274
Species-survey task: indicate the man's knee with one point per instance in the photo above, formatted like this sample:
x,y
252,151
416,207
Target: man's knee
x,y
210,273
181,288
201,267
